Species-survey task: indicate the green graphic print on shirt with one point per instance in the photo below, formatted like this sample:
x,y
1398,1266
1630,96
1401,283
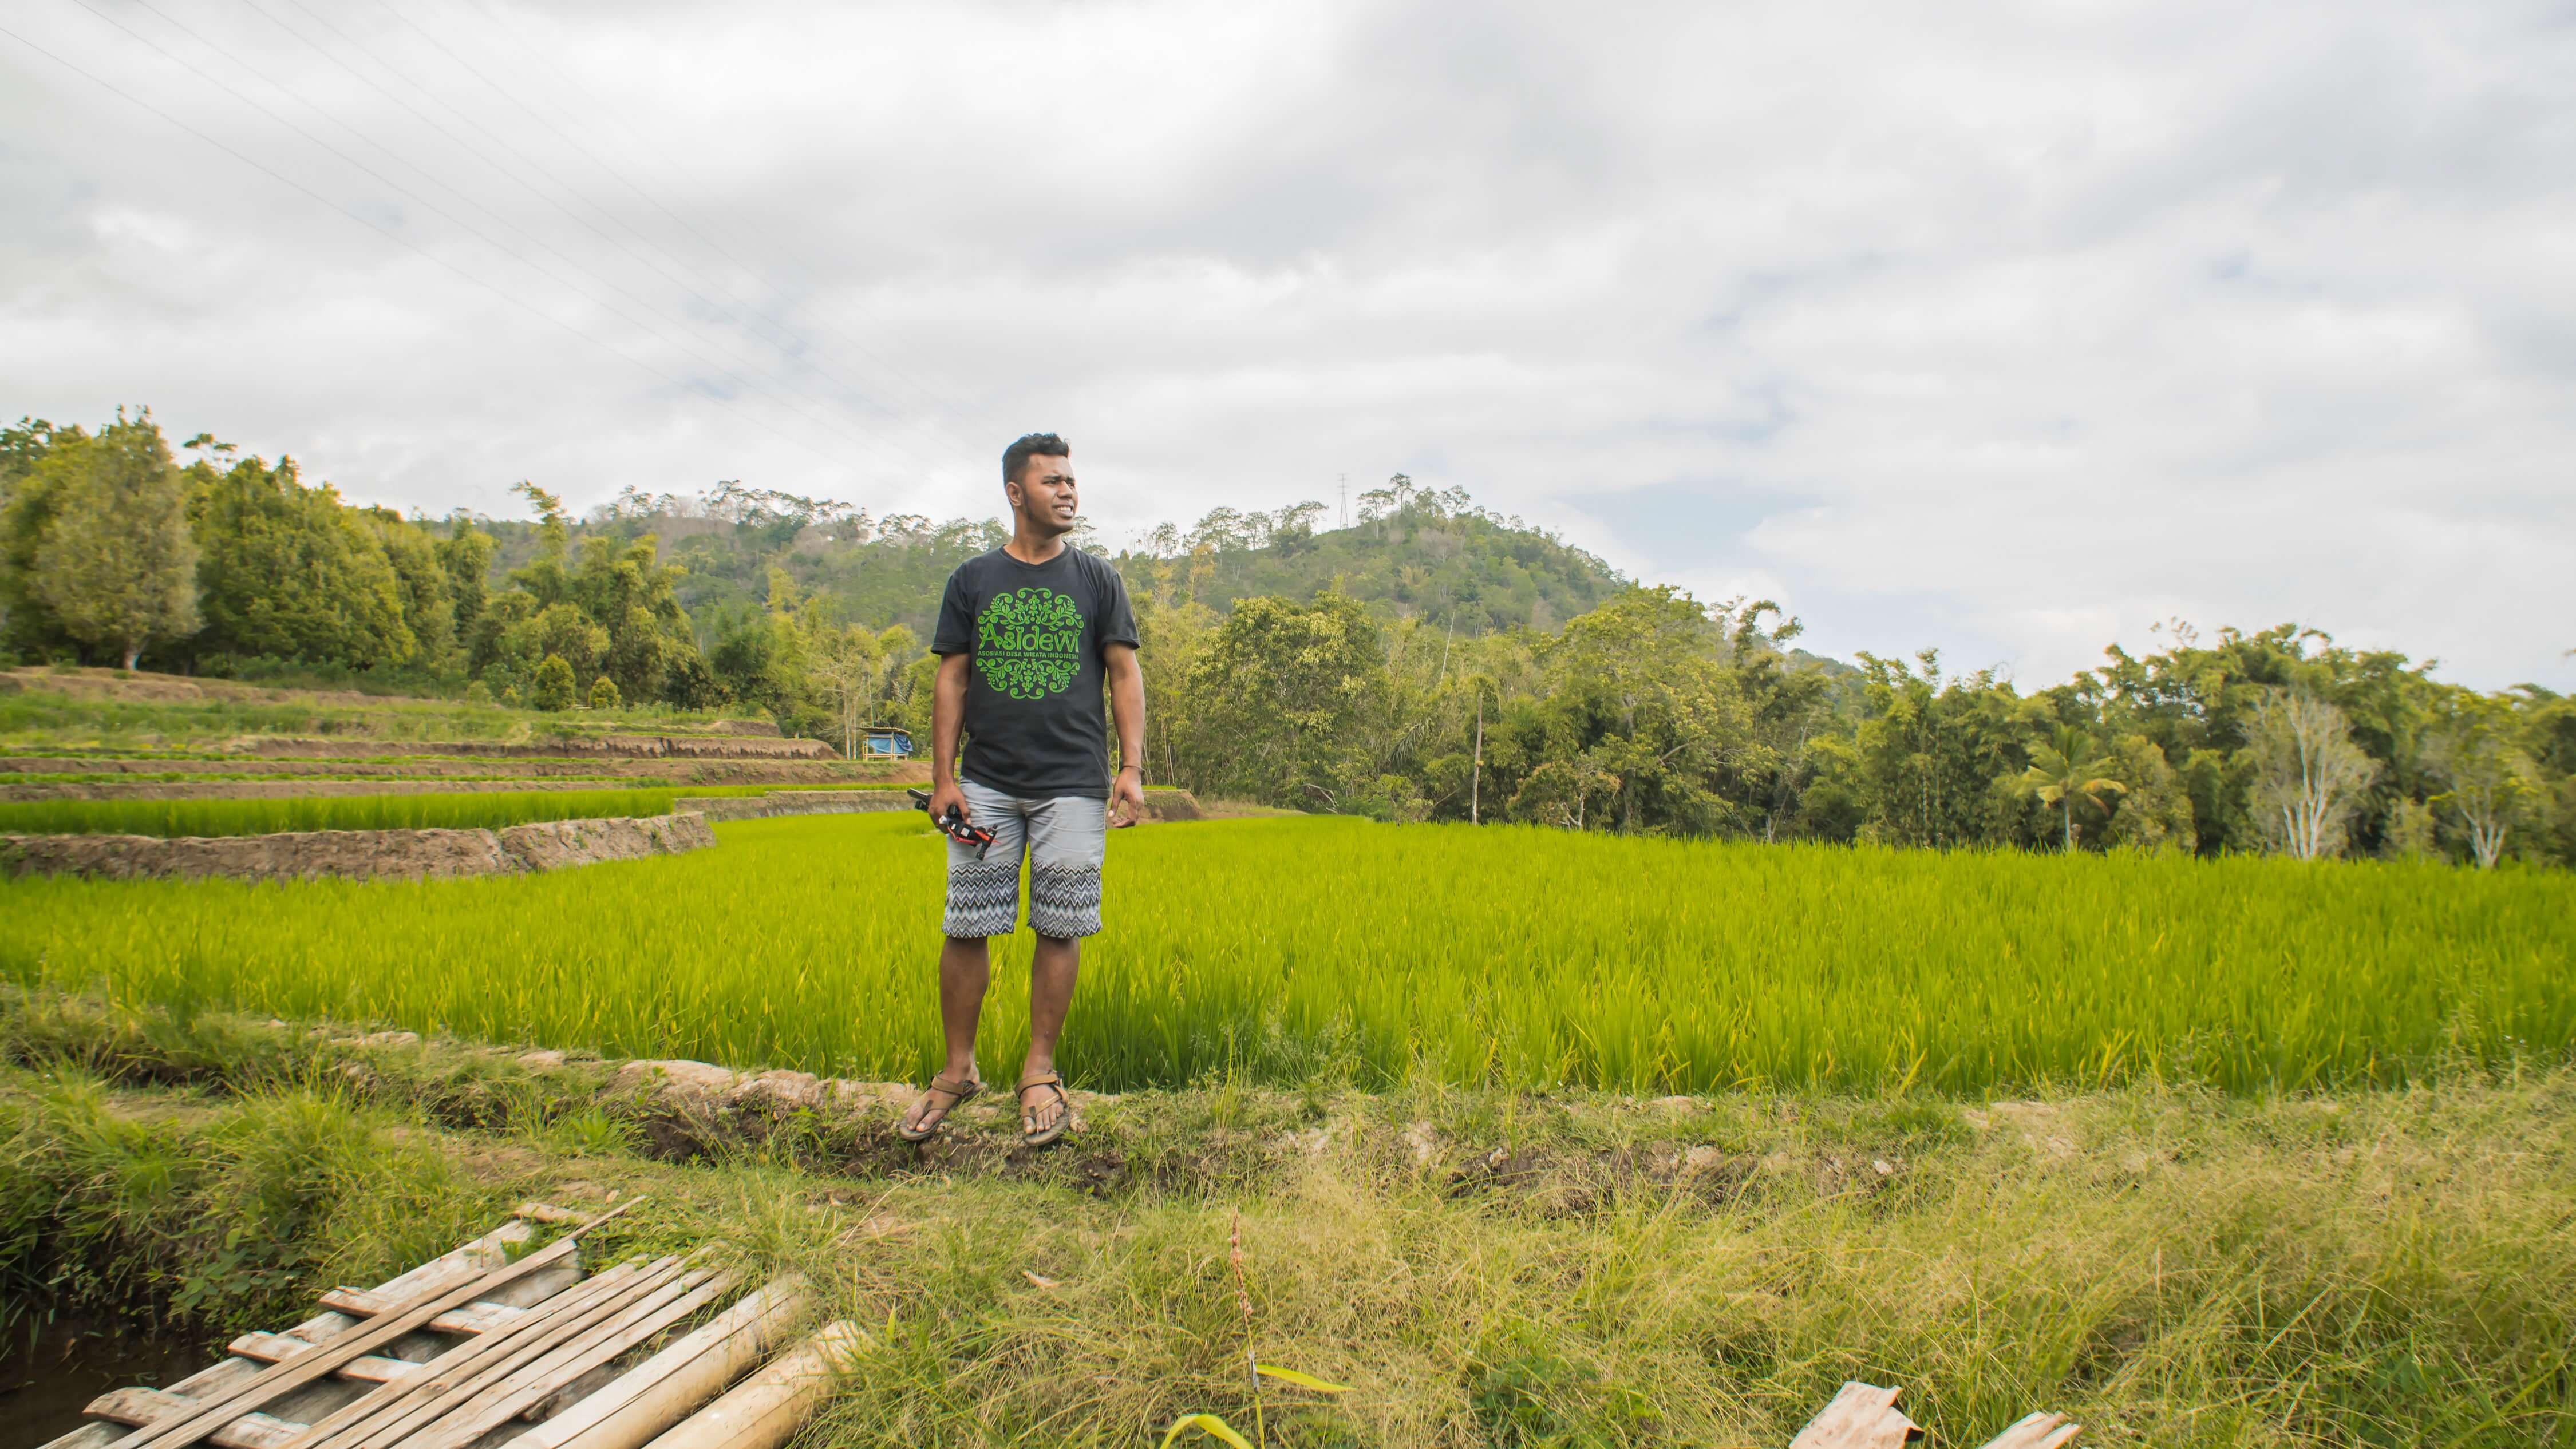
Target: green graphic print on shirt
x,y
1028,643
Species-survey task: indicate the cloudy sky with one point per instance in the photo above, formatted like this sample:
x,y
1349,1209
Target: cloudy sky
x,y
2007,330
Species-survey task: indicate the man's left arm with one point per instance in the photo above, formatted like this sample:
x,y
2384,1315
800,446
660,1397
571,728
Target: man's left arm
x,y
1127,711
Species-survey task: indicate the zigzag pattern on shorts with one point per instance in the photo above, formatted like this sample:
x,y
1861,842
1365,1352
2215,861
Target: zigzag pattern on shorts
x,y
983,899
1064,900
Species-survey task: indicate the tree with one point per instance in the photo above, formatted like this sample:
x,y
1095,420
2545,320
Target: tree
x,y
2061,773
1561,792
1638,692
1787,708
117,565
603,693
466,555
2489,775
550,688
2308,775
290,573
422,583
846,666
634,600
29,499
2154,813
1278,696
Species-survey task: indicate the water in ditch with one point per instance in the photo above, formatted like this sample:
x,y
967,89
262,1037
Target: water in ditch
x,y
51,1367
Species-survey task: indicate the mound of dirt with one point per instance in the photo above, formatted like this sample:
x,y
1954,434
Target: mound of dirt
x,y
147,688
382,761
286,789
356,854
793,802
567,747
1171,805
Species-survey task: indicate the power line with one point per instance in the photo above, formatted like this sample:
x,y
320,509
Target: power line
x,y
508,94
605,110
574,283
584,272
398,238
681,343
749,319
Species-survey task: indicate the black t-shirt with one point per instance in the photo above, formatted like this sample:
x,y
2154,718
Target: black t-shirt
x,y
1035,636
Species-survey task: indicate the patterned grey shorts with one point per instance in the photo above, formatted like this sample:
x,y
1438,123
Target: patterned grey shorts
x,y
1065,839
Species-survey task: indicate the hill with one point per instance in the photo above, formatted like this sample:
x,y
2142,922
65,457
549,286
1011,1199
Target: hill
x,y
1414,554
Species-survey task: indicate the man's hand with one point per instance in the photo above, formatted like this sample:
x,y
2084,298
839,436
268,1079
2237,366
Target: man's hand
x,y
944,797
1127,790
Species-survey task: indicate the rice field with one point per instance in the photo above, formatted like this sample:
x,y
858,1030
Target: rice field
x,y
1295,949
461,810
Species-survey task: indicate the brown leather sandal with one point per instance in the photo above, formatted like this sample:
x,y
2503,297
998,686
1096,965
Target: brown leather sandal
x,y
1053,1131
956,1090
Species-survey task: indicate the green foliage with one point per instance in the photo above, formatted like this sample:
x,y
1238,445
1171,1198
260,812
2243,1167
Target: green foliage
x,y
1413,554
1532,1399
30,497
550,686
109,557
227,1226
465,556
1280,949
291,573
603,693
2061,774
1432,662
426,588
1278,697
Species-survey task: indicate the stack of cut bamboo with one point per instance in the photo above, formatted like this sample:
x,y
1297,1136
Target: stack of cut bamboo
x,y
464,1351
1865,1416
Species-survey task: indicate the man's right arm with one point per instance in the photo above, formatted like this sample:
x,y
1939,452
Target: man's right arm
x,y
947,722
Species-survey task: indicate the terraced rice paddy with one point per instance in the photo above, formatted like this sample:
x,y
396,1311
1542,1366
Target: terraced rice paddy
x,y
1286,950
462,811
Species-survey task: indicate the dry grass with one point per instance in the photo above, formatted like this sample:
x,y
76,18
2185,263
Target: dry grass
x,y
1494,1268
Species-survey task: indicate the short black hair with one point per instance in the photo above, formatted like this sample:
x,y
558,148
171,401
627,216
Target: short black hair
x,y
1035,445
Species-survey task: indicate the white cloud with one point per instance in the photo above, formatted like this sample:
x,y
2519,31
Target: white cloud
x,y
2006,329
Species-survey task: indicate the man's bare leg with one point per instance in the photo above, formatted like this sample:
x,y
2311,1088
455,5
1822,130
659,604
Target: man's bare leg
x,y
1052,970
965,970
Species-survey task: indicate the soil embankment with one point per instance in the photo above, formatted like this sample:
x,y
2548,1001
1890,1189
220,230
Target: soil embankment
x,y
308,789
365,761
448,854
1160,805
357,854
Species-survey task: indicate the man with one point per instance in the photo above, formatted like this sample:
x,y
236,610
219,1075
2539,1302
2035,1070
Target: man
x,y
1026,636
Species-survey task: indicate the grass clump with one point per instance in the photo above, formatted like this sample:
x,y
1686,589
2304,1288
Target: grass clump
x,y
221,1219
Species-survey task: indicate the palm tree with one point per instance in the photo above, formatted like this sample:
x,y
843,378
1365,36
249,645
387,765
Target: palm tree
x,y
2061,772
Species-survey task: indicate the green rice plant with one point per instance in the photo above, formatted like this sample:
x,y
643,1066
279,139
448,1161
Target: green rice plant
x,y
1286,950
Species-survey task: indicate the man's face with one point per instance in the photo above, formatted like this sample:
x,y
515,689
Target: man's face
x,y
1044,495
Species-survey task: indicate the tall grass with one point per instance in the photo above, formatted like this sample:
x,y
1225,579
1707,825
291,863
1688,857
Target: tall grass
x,y
1286,949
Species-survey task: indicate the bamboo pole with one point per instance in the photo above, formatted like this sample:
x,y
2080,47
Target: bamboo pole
x,y
655,1394
765,1410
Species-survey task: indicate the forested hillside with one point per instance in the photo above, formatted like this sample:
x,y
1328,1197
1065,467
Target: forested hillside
x,y
1413,554
1432,662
